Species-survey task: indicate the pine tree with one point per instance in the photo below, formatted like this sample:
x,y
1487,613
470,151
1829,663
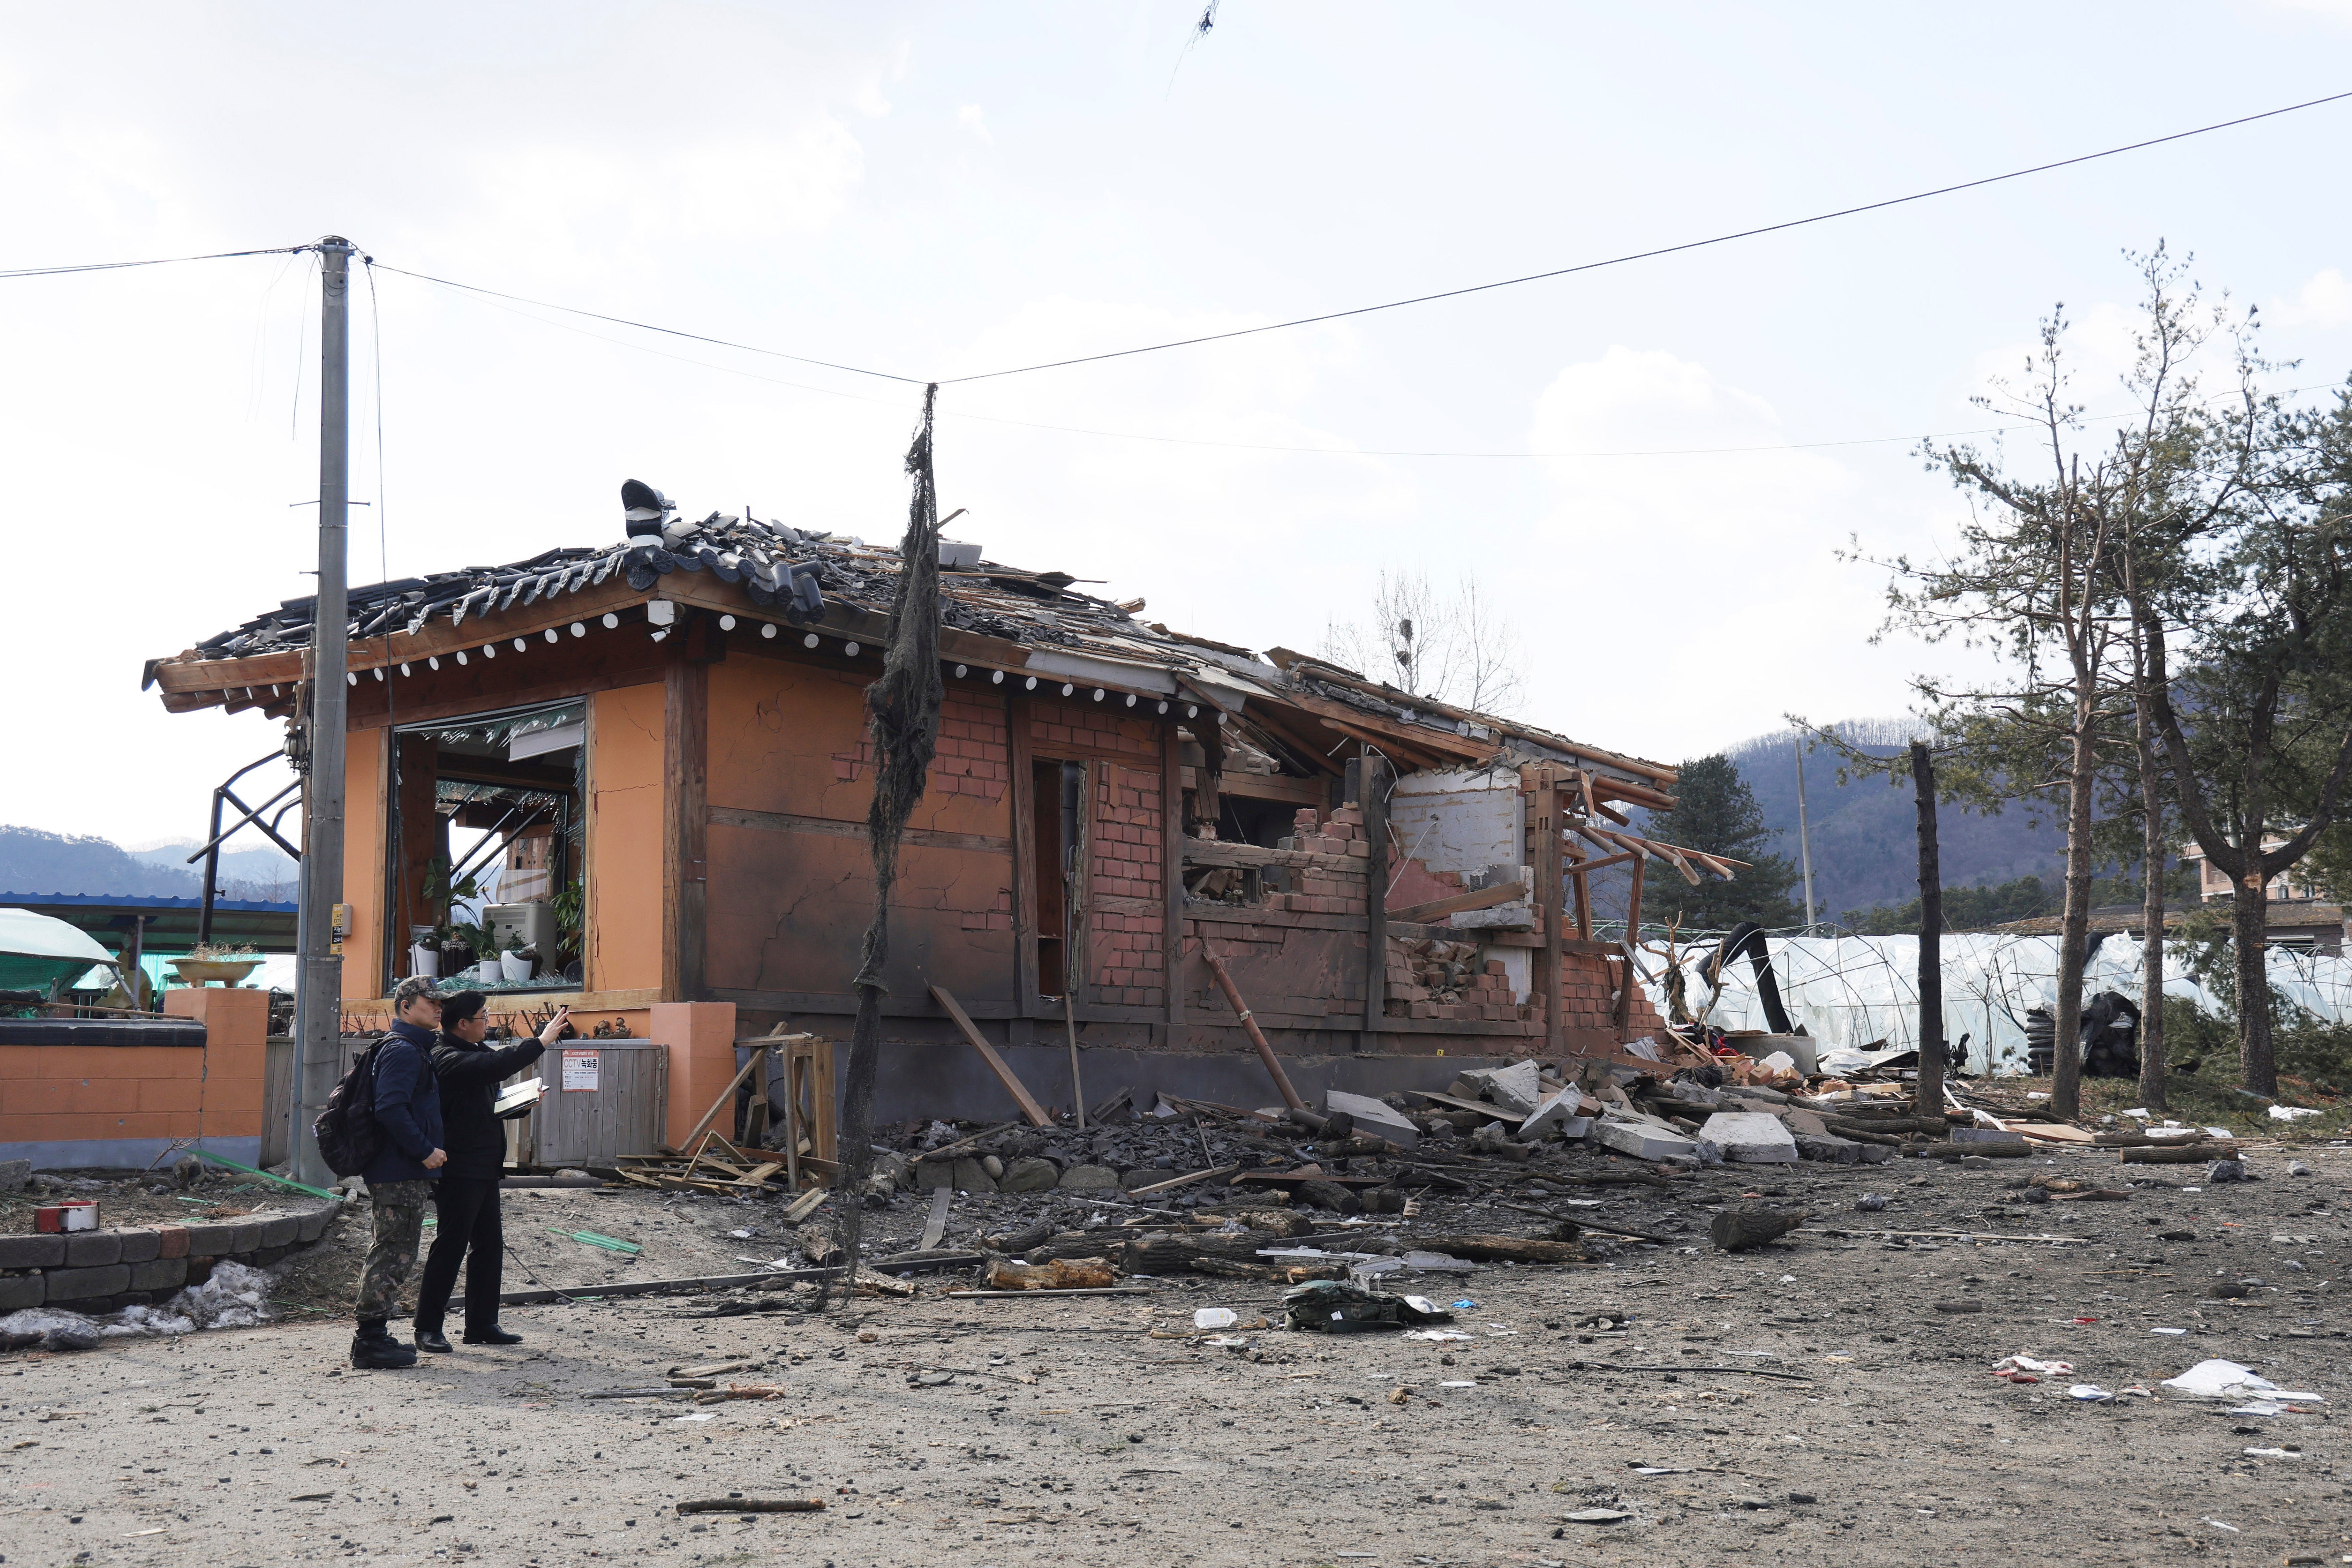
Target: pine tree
x,y
1716,813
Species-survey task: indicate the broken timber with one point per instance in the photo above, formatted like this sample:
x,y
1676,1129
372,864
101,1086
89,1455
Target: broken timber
x,y
1256,1035
1012,1085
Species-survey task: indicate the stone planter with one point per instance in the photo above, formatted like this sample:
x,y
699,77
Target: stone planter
x,y
205,971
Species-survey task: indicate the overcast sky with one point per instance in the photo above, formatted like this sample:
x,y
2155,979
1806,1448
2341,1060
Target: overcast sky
x,y
938,190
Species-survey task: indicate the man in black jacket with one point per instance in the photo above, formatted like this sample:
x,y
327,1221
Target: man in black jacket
x,y
401,1177
468,1227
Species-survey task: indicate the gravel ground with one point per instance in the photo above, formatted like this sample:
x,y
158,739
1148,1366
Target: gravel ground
x,y
1067,1431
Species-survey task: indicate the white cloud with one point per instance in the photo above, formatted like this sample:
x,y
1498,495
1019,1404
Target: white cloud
x,y
970,119
2324,300
1690,594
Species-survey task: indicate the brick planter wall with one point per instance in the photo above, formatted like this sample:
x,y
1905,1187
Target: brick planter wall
x,y
100,1271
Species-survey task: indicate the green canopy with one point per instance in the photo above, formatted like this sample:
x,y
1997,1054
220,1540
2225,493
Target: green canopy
x,y
37,950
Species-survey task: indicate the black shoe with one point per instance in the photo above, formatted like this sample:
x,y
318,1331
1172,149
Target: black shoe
x,y
493,1335
373,1349
433,1340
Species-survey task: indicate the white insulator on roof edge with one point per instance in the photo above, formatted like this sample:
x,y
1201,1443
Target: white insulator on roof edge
x,y
611,620
522,645
551,634
767,628
489,650
579,630
726,623
461,656
432,661
809,641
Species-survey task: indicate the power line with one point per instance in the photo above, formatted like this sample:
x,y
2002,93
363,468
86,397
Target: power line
x,y
157,261
1344,451
648,326
1647,255
1392,304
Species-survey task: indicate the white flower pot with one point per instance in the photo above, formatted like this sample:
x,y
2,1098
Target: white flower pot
x,y
516,966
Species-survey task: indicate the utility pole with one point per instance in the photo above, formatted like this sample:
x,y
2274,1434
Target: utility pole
x,y
1805,833
319,1004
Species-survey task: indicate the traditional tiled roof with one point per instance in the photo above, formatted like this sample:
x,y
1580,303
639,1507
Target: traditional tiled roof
x,y
1041,623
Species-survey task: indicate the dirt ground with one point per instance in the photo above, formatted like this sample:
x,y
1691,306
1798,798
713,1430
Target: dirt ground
x,y
1067,1430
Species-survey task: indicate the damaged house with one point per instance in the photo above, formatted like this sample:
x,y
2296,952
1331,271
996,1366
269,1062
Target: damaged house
x,y
663,738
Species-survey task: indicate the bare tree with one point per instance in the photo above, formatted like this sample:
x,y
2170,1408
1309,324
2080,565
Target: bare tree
x,y
1451,647
2033,578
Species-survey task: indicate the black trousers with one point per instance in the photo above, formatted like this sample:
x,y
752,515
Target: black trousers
x,y
467,1230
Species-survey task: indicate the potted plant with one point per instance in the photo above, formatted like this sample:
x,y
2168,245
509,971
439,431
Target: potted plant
x,y
206,962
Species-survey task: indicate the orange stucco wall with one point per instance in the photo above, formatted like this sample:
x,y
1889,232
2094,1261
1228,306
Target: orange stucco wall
x,y
98,1104
626,789
363,814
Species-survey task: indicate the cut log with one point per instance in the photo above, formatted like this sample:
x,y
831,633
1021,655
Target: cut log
x,y
1962,1151
1328,1195
1502,1249
818,1244
1061,1274
1738,1229
2180,1154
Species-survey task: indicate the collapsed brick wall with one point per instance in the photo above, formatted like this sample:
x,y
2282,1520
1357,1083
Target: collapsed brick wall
x,y
1588,986
1313,892
1431,978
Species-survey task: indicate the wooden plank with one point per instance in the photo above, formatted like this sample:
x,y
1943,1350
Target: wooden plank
x,y
833,827
686,824
1172,881
1078,938
1178,1182
1279,787
936,1225
702,1128
1012,1085
1543,828
1377,780
1023,797
1460,903
1225,852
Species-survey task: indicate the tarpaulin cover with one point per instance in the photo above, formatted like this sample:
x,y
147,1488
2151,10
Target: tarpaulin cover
x,y
37,949
1857,990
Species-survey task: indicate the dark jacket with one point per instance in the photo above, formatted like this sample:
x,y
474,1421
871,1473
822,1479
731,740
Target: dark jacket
x,y
469,1079
407,1106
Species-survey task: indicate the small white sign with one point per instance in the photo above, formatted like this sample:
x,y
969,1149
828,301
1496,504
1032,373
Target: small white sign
x,y
580,1071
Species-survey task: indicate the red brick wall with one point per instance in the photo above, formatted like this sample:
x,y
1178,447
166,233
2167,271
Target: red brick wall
x,y
1126,896
973,758
1127,964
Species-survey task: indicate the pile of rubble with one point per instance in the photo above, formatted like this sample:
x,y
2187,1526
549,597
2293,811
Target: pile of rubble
x,y
1431,978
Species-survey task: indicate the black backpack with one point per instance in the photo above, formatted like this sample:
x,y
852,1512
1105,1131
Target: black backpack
x,y
349,1138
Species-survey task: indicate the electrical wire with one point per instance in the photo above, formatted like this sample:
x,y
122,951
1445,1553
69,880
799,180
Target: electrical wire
x,y
650,327
1649,255
1392,304
1334,451
156,261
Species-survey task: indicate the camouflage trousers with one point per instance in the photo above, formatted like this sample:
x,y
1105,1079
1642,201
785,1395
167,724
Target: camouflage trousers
x,y
399,1223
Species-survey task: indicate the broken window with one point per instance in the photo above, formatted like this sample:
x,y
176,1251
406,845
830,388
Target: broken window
x,y
484,870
